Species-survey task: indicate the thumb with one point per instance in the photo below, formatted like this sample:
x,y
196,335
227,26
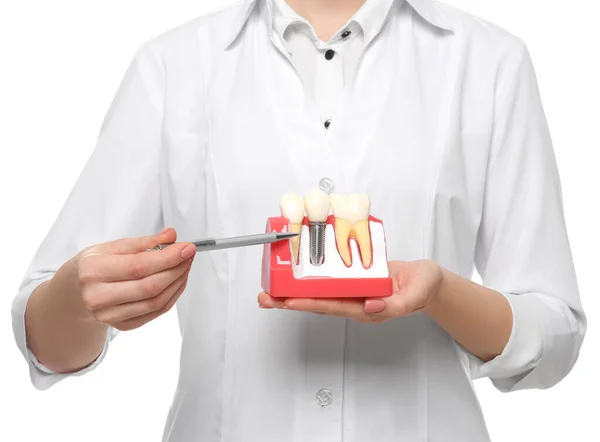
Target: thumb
x,y
126,246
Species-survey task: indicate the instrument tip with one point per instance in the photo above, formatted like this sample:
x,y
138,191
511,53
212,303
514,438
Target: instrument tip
x,y
286,235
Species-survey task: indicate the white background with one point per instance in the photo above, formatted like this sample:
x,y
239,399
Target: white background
x,y
60,64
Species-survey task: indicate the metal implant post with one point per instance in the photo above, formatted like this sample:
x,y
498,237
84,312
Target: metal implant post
x,y
316,234
317,210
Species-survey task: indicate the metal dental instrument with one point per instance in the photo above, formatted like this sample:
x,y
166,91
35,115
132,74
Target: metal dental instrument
x,y
207,244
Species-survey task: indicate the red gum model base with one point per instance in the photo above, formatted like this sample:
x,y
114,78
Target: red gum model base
x,y
278,274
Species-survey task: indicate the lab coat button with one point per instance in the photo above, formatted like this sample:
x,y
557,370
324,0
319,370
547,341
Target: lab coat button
x,y
327,123
324,397
329,54
326,185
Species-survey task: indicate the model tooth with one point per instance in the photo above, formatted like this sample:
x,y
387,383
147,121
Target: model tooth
x,y
317,206
292,208
351,214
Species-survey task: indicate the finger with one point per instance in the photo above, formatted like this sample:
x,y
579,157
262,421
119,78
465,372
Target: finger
x,y
267,301
138,321
125,267
137,245
399,304
123,312
375,306
348,308
104,295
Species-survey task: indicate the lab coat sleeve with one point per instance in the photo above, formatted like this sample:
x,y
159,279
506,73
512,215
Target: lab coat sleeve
x,y
523,250
117,195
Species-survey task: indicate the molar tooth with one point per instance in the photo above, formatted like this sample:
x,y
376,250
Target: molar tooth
x,y
352,221
292,208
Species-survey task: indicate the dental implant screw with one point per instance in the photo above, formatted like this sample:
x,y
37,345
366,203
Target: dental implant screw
x,y
317,211
316,242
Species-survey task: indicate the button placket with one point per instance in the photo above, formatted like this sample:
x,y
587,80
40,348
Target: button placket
x,y
329,83
324,377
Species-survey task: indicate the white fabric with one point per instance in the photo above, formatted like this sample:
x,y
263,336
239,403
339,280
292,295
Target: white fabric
x,y
324,78
442,126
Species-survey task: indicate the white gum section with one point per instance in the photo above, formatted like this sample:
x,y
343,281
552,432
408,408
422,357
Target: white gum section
x,y
334,266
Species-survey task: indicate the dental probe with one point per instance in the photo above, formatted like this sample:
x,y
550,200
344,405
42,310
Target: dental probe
x,y
208,244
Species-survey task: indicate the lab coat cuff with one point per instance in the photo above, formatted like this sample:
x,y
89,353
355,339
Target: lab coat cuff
x,y
523,350
41,376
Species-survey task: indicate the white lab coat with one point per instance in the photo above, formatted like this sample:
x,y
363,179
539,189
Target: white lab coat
x,y
443,127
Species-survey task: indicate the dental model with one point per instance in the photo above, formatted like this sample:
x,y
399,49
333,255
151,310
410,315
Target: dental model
x,y
345,255
351,214
292,207
317,209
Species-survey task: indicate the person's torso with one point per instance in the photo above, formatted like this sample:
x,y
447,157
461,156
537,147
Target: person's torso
x,y
412,131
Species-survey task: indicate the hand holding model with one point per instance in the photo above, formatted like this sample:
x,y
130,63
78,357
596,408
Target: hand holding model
x,y
415,286
336,254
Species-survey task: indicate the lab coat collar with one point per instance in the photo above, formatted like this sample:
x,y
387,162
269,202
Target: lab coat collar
x,y
370,18
427,9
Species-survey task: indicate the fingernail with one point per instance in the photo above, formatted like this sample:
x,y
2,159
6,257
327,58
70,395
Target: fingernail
x,y
189,251
374,305
165,230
